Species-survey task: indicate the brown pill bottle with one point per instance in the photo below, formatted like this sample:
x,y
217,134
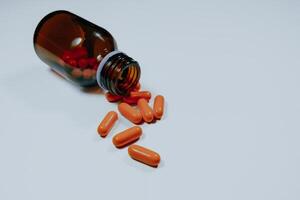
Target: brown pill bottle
x,y
84,53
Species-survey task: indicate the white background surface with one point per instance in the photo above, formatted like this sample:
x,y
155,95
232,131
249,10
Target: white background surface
x,y
229,71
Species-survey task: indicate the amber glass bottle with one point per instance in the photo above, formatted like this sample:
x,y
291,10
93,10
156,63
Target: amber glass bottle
x,y
84,53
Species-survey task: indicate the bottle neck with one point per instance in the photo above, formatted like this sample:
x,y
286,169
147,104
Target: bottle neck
x,y
118,73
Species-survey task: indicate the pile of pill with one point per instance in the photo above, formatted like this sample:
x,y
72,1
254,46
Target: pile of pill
x,y
136,109
80,64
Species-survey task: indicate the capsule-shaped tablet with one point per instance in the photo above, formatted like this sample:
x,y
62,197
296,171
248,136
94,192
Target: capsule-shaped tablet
x,y
94,72
107,123
72,62
144,155
128,136
82,63
76,73
140,94
92,61
79,52
130,113
131,100
67,55
146,110
112,98
87,73
158,106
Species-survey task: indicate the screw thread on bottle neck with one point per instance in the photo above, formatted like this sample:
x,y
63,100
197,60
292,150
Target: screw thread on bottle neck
x,y
118,73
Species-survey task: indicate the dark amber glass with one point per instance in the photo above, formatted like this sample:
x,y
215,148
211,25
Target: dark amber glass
x,y
84,53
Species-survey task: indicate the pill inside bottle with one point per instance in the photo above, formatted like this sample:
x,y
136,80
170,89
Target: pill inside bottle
x,y
84,53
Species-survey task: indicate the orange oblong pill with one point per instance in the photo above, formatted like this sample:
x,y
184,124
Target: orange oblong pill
x,y
158,106
146,110
144,155
140,94
130,113
127,136
112,98
131,100
107,123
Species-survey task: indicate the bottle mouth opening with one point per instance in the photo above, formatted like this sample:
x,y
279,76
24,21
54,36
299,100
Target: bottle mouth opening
x,y
129,78
118,73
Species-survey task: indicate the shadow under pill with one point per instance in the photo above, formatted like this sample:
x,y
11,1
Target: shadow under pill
x,y
112,148
161,164
138,165
165,114
143,136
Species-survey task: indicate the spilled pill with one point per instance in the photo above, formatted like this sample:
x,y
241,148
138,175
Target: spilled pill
x,y
127,136
146,110
140,94
112,98
131,100
130,113
107,123
144,155
158,106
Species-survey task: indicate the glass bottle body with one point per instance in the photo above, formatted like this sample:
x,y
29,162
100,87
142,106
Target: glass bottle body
x,y
84,53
